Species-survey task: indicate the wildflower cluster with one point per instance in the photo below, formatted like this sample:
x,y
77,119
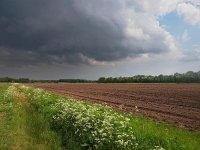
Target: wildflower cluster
x,y
11,92
93,126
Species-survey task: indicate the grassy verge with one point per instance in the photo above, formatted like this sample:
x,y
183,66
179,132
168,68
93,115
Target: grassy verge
x,y
88,126
21,127
6,112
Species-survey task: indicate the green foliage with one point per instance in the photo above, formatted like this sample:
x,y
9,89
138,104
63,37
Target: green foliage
x,y
6,79
75,80
188,77
12,80
26,80
90,126
6,112
22,127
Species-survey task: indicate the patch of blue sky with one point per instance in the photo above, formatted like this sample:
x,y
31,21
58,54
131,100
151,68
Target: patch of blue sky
x,y
176,25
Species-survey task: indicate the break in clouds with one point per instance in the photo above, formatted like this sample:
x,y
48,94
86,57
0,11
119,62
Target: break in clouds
x,y
36,32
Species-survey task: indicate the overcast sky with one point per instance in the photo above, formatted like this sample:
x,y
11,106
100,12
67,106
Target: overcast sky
x,y
52,39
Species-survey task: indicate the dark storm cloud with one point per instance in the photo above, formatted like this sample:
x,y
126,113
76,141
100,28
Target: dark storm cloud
x,y
74,31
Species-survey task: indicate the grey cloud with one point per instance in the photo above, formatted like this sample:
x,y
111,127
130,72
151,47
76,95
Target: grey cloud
x,y
34,32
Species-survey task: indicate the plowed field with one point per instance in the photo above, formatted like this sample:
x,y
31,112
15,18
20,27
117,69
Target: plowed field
x,y
178,104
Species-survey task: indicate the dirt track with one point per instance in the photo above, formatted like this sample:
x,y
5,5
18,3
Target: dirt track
x,y
173,103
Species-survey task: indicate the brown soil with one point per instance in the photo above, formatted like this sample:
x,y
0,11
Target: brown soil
x,y
178,104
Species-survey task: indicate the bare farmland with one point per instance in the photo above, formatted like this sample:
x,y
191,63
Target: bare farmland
x,y
178,104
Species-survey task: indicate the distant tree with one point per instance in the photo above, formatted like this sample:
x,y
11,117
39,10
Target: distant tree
x,y
6,79
22,80
101,80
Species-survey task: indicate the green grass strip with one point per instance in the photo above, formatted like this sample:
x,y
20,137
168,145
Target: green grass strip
x,y
22,127
6,112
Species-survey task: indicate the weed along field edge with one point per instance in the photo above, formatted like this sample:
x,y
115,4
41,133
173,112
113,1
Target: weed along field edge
x,y
37,119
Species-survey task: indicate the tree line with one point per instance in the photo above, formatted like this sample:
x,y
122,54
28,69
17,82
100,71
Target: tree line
x,y
12,80
27,80
188,77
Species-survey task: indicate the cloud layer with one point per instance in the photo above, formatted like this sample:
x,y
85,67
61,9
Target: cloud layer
x,y
37,32
191,13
